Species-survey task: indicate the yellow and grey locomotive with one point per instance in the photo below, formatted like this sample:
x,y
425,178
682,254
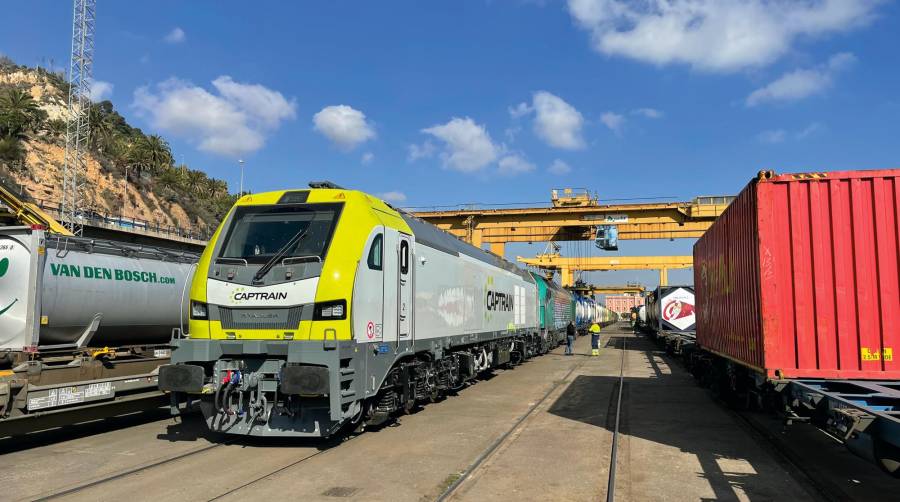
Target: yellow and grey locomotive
x,y
314,309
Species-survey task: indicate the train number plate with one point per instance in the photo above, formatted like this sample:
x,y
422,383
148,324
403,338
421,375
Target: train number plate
x,y
70,395
162,353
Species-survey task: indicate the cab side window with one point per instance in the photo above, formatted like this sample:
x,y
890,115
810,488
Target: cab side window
x,y
376,252
404,257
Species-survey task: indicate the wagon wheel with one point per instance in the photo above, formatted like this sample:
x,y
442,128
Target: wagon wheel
x,y
887,456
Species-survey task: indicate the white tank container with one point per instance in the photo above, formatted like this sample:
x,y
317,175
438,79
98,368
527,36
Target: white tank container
x,y
61,291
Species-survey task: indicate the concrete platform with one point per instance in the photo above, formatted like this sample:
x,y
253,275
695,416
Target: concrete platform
x,y
677,444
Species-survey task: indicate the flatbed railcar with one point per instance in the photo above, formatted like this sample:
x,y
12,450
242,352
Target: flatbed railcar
x,y
798,304
312,310
84,326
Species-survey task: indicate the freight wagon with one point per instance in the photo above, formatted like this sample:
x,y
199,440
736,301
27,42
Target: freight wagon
x,y
798,304
670,316
84,326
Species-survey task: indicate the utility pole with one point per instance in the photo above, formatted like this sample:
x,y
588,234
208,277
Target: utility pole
x,y
77,128
241,162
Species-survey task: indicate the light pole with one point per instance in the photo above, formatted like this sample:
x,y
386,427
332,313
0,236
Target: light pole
x,y
125,197
241,162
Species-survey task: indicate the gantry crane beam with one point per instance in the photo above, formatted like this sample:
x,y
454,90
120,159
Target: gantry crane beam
x,y
658,220
26,213
616,290
568,266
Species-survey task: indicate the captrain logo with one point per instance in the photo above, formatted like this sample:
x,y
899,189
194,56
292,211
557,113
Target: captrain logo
x,y
495,301
241,294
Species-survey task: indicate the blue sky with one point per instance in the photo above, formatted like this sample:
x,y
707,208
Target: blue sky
x,y
629,99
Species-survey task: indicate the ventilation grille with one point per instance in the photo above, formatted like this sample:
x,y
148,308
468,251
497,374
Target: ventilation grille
x,y
243,318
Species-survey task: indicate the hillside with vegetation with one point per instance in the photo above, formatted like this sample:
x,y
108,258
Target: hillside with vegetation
x,y
130,174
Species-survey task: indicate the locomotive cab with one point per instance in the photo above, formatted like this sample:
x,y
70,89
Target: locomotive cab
x,y
269,344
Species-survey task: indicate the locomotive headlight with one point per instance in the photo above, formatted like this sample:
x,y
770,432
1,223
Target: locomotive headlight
x,y
199,311
330,310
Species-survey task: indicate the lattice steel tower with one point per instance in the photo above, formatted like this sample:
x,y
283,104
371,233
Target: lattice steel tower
x,y
78,128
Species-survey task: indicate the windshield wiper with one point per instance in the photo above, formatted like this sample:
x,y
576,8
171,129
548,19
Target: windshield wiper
x,y
257,278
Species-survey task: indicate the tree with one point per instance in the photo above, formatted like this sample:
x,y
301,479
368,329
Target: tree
x,y
11,151
103,130
196,182
158,152
19,113
169,178
216,188
150,154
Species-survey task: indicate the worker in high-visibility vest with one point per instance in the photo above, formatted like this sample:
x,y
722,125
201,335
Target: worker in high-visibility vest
x,y
595,339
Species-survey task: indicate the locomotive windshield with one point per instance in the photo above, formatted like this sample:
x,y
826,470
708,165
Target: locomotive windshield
x,y
257,233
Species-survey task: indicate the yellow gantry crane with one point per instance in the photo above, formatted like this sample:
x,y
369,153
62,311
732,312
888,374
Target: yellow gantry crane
x,y
27,213
575,216
616,289
568,266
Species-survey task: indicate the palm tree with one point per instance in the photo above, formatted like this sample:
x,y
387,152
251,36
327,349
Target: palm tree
x,y
195,182
150,154
19,112
158,153
168,178
216,188
103,130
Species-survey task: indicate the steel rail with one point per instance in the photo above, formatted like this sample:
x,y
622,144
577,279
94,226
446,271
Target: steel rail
x,y
450,490
129,472
611,482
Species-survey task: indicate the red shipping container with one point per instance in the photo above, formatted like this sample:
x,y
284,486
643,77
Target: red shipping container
x,y
800,276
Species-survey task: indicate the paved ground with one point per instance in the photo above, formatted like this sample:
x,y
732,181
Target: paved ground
x,y
677,444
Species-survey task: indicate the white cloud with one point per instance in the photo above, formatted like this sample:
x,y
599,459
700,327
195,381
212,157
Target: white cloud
x,y
424,151
614,121
800,84
345,126
713,35
511,133
512,165
810,130
393,196
467,146
775,136
100,90
556,122
559,168
367,158
520,110
233,122
649,113
265,104
176,36
772,136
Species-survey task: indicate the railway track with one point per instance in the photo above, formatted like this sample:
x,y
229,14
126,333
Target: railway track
x,y
83,488
129,472
521,422
613,455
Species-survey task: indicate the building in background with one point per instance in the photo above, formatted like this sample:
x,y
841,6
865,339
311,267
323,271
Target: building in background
x,y
623,303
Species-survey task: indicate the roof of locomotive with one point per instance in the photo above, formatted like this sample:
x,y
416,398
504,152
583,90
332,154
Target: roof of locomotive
x,y
435,238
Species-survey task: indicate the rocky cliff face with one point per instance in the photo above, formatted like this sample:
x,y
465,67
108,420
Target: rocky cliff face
x,y
154,191
42,181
